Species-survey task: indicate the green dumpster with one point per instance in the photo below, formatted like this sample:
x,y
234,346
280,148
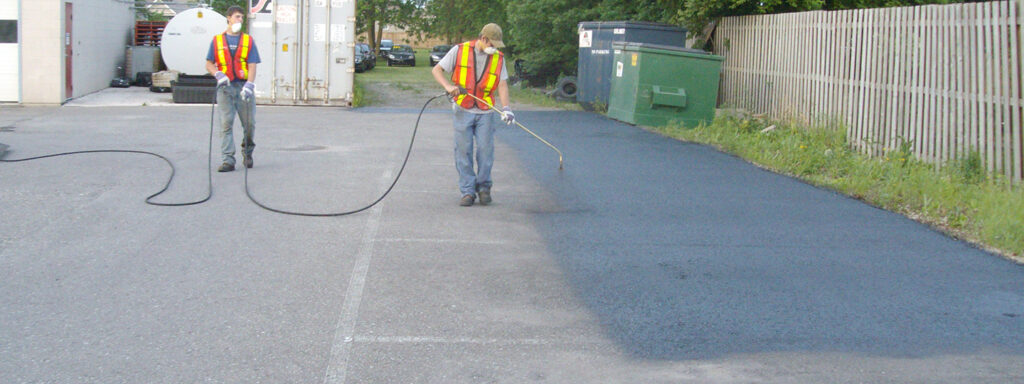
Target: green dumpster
x,y
655,84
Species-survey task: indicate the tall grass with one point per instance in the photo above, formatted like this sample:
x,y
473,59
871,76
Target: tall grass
x,y
537,97
959,198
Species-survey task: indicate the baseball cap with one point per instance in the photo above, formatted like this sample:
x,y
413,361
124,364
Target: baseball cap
x,y
493,33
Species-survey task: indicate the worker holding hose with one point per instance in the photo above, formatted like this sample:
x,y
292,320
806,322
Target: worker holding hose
x,y
477,68
232,59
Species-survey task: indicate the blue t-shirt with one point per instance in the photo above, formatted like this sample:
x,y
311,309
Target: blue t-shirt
x,y
254,54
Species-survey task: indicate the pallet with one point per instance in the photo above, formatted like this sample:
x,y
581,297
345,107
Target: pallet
x,y
149,32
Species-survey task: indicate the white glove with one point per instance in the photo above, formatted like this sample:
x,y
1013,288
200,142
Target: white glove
x,y
248,90
222,79
507,116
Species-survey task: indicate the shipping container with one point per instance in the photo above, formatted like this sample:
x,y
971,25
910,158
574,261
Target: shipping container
x,y
307,50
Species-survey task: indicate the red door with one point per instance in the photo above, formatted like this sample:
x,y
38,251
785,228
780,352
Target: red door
x,y
67,51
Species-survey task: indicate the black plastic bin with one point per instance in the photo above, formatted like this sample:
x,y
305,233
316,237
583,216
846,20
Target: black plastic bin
x,y
200,80
144,79
193,94
594,67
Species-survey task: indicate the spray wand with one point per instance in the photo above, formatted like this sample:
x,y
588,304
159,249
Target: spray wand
x,y
495,110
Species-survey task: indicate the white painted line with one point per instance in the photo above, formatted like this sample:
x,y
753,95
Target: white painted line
x,y
337,366
446,340
473,340
450,241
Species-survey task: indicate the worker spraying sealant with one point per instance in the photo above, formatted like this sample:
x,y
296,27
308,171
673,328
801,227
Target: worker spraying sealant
x,y
478,69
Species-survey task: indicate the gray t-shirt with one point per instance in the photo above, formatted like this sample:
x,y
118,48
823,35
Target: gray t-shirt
x,y
447,63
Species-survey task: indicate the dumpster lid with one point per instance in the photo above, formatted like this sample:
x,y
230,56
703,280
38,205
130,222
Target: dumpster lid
x,y
640,46
629,24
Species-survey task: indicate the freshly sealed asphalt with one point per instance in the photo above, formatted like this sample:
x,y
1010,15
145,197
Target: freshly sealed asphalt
x,y
644,260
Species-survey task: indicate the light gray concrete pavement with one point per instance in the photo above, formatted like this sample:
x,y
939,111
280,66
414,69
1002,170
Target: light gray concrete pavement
x,y
645,260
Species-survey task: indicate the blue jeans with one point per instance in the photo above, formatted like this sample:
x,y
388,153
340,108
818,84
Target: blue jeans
x,y
467,127
230,102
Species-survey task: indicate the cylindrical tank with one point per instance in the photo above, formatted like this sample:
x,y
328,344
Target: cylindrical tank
x,y
307,48
187,37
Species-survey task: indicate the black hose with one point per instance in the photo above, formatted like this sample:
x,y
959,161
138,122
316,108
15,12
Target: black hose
x,y
209,167
386,192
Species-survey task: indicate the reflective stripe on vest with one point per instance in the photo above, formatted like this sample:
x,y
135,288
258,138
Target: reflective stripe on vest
x,y
464,75
235,67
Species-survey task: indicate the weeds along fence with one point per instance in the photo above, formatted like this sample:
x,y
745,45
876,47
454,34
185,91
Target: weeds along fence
x,y
944,79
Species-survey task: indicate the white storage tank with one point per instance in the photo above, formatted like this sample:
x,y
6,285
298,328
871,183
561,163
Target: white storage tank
x,y
186,39
306,51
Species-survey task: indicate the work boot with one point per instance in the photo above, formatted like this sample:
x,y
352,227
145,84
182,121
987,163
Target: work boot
x,y
247,160
467,200
226,167
485,197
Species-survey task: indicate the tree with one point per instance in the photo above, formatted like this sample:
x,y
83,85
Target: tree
x,y
221,6
696,14
546,33
455,21
373,15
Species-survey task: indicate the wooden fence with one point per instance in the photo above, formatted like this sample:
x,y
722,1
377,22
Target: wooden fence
x,y
944,78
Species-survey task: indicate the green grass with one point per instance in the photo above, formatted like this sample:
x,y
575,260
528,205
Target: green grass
x,y
960,198
400,74
358,94
537,98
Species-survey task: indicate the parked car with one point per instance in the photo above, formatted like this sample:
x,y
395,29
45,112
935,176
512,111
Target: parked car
x,y
365,59
438,53
385,47
401,55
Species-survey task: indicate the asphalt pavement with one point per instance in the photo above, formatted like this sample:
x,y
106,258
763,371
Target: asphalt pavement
x,y
644,260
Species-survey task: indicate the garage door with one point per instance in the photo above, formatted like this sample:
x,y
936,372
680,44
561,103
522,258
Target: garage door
x,y
9,89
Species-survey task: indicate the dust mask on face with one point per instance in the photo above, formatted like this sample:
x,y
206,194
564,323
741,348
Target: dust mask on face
x,y
490,50
236,27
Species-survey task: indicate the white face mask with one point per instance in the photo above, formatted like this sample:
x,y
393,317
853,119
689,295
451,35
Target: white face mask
x,y
236,27
490,50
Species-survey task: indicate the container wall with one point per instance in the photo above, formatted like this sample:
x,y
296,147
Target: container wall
x,y
100,31
307,50
142,59
623,94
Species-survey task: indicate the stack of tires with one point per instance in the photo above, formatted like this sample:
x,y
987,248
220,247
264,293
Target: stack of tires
x,y
192,89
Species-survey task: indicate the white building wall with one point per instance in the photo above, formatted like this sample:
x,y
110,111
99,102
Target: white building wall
x,y
102,31
10,89
42,60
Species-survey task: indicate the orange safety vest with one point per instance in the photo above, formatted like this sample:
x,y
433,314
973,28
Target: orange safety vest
x,y
235,67
464,75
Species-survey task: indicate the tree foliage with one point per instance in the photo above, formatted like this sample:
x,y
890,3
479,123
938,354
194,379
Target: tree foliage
x,y
546,31
221,6
455,21
696,14
373,15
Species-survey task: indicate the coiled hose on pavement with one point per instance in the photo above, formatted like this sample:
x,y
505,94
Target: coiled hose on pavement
x,y
209,166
